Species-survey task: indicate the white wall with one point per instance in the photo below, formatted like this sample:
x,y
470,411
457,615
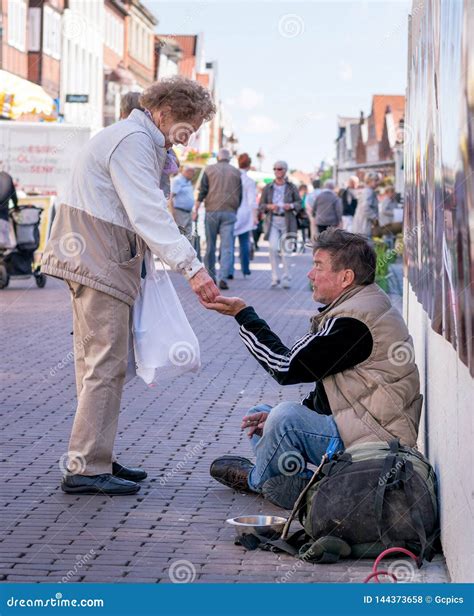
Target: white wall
x,y
167,67
447,435
82,70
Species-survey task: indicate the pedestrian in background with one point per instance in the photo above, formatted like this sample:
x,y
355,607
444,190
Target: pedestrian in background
x,y
221,191
280,202
387,206
129,102
182,200
310,199
246,215
258,229
349,202
302,216
367,211
327,208
7,193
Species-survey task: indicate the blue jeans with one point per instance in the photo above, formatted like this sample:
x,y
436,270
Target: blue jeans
x,y
293,435
219,223
244,253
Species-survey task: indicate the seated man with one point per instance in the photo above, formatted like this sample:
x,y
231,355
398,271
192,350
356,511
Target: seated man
x,y
358,352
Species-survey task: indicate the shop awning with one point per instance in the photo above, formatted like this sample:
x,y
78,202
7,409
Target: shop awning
x,y
20,97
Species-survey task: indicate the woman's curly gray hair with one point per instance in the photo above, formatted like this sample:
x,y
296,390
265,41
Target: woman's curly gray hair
x,y
186,98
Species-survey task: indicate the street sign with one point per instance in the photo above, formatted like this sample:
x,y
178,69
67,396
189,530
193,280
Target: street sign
x,y
77,98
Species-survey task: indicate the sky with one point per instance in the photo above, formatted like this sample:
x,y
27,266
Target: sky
x,y
286,70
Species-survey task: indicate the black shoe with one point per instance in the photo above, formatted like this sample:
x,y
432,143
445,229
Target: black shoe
x,y
98,484
132,474
230,277
223,285
232,471
283,490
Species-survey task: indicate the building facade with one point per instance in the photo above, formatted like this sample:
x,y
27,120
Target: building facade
x,y
117,79
168,55
44,44
14,37
374,143
82,65
139,57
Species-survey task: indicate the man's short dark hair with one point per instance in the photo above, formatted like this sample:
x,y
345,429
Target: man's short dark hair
x,y
316,184
348,251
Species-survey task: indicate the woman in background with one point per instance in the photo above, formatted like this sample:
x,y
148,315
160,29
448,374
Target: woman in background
x,y
246,215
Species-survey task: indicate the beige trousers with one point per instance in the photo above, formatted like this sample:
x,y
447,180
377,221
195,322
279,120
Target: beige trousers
x,y
101,325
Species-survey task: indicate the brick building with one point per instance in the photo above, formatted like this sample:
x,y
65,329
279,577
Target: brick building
x,y
139,54
117,79
14,37
372,143
44,44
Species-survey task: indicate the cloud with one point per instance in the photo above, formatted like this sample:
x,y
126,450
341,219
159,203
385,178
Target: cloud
x,y
246,99
315,115
261,124
345,71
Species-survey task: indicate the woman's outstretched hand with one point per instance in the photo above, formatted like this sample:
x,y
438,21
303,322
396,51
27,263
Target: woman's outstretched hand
x,y
204,287
225,305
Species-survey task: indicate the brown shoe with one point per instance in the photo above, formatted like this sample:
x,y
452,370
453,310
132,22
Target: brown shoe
x,y
232,471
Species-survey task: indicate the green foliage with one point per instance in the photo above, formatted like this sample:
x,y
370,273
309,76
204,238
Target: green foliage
x,y
326,175
385,256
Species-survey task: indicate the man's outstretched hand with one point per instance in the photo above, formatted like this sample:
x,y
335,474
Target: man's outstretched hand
x,y
204,287
225,305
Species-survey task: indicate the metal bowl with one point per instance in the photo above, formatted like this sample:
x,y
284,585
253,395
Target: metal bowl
x,y
269,526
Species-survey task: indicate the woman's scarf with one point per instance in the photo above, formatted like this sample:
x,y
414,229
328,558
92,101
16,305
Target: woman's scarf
x,y
171,165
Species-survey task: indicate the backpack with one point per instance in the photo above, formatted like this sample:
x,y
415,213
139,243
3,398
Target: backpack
x,y
368,498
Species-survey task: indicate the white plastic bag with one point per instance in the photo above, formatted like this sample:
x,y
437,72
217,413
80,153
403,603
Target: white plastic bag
x,y
164,344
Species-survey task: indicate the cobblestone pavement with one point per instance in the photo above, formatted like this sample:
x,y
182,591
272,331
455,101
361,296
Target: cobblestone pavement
x,y
175,526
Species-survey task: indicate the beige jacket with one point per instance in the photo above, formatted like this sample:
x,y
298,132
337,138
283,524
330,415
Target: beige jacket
x,y
113,209
378,399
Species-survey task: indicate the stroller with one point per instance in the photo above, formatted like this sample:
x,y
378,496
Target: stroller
x,y
18,261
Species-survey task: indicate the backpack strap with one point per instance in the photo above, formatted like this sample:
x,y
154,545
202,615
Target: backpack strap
x,y
255,541
297,509
414,513
389,469
397,472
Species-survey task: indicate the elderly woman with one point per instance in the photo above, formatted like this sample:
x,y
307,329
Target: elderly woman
x,y
367,210
112,212
280,202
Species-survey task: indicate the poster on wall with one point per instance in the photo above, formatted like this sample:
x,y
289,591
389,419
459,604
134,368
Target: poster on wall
x,y
439,168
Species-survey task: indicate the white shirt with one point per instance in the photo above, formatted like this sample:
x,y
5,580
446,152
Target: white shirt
x,y
248,205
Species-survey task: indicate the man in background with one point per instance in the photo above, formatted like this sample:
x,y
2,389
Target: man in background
x,y
221,191
182,199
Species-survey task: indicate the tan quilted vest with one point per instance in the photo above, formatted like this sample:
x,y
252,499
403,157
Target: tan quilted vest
x,y
379,399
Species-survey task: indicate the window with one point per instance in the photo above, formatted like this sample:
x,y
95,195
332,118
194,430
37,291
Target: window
x,y
52,33
17,24
34,29
114,33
